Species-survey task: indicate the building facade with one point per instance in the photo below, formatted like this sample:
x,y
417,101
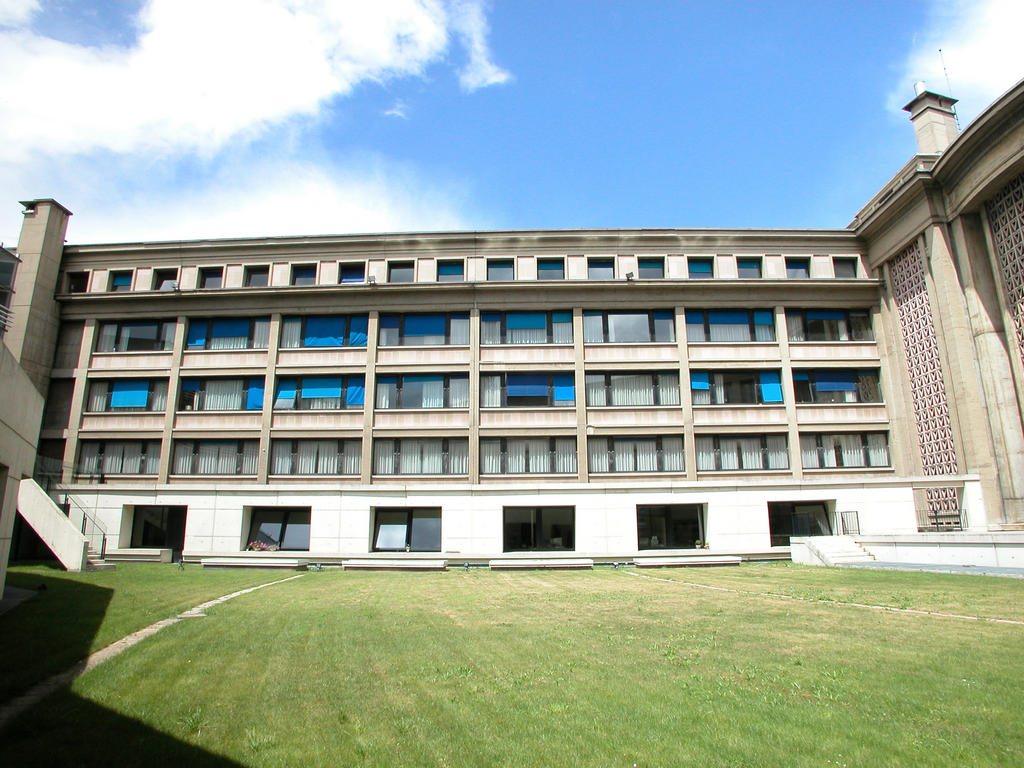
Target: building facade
x,y
606,394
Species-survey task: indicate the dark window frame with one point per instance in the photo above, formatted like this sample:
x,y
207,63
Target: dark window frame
x,y
208,333
116,280
811,394
550,453
459,277
397,272
108,408
763,436
303,275
411,516
798,268
396,452
755,384
652,326
208,275
301,403
649,263
824,336
752,326
257,271
549,327
504,265
537,522
403,318
165,330
821,449
670,516
287,515
549,398
656,385
400,387
561,266
659,449
598,264
194,456
165,279
342,445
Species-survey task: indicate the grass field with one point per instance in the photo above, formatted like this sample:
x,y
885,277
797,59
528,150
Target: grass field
x,y
599,668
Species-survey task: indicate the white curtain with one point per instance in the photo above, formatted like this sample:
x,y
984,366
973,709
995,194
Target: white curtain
x,y
459,331
132,464
878,449
490,332
540,455
458,457
695,332
515,455
490,391
632,389
490,457
705,447
183,457
750,448
764,333
281,457
327,457
565,455
593,329
291,333
527,335
113,458
229,342
701,396
718,389
260,333
89,459
795,324
223,395
828,451
209,459
596,395
728,453
352,458
387,394
433,394
597,453
778,452
151,461
159,396
98,396
646,455
383,457
852,449
305,457
625,458
561,332
108,338
809,452
458,392
250,456
668,388
730,332
672,457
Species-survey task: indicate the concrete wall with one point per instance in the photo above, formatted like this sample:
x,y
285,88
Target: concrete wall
x,y
991,549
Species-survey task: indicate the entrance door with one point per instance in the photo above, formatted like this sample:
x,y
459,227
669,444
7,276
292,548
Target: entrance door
x,y
160,526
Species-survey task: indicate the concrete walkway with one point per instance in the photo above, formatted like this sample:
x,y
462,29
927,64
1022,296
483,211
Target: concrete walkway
x,y
978,570
14,596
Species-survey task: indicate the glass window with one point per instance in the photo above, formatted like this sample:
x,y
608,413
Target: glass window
x,y
450,271
221,395
526,390
228,333
700,268
120,281
421,456
748,269
669,526
627,327
550,269
526,328
601,269
400,272
500,269
844,268
329,456
257,277
527,455
351,273
735,387
215,457
423,330
844,449
165,279
119,457
405,529
730,325
126,395
836,385
432,391
798,269
320,393
324,331
135,336
78,282
662,453
829,325
279,528
539,528
211,277
632,389
741,452
650,268
304,274
786,519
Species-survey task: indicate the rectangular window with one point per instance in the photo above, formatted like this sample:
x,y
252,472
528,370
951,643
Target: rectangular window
x,y
432,391
650,268
424,330
528,455
211,277
119,457
600,269
551,269
735,387
279,528
844,268
324,331
526,327
829,325
669,526
629,327
352,273
401,271
533,529
127,395
835,385
527,390
798,269
450,271
700,268
407,529
421,456
78,282
500,269
257,277
787,518
632,389
159,526
741,452
662,453
844,449
748,269
135,336
320,393
165,279
215,457
221,395
120,281
730,325
304,274
315,457
227,333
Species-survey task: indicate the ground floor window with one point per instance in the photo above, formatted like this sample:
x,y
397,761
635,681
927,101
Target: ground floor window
x,y
159,526
800,518
669,526
539,528
274,528
407,529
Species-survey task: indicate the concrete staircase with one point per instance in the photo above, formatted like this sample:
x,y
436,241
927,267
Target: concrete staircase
x,y
836,550
94,560
71,546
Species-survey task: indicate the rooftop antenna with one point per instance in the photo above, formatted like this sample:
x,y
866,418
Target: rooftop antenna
x,y
949,88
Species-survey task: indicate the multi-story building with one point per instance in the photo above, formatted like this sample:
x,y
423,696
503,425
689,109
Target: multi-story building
x,y
601,393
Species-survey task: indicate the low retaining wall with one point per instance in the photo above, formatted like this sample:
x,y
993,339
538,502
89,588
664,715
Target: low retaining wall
x,y
991,549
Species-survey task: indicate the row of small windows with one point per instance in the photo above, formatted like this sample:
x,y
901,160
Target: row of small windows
x,y
497,390
498,456
454,270
712,325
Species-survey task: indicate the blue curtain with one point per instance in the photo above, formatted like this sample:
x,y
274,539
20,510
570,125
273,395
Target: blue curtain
x,y
825,314
425,325
197,333
764,317
321,386
771,387
190,385
565,387
254,395
356,391
514,320
325,332
130,394
728,317
357,326
561,317
389,321
834,381
229,329
450,268
352,274
700,380
527,385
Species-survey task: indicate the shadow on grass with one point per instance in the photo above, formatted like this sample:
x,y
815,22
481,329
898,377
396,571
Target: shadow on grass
x,y
46,635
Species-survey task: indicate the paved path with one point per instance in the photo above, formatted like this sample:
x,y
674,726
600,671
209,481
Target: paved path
x,y
978,570
37,693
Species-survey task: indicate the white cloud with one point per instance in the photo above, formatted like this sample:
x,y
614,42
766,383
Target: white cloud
x,y
15,13
398,109
471,25
981,46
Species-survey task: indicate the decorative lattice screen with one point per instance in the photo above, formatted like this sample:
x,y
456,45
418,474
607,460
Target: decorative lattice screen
x,y
1006,218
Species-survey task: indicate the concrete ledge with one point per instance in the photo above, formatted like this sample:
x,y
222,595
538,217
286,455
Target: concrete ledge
x,y
139,555
568,563
253,562
394,565
686,560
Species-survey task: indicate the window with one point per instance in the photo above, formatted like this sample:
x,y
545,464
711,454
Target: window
x,y
450,271
407,529
741,452
221,395
400,272
421,330
625,327
421,456
669,526
844,268
650,268
601,269
551,269
257,277
526,327
434,391
748,269
527,455
844,449
320,393
527,390
500,269
120,281
829,325
215,457
663,453
159,526
834,385
728,325
700,268
127,395
786,519
211,277
165,279
798,269
304,274
135,336
735,387
324,331
352,273
78,282
228,333
633,388
529,529
315,457
119,457
279,528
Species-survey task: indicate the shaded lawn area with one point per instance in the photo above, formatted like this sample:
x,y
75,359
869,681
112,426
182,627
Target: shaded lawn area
x,y
563,668
78,613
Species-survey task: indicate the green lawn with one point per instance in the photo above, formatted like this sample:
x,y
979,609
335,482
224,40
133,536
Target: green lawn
x,y
558,669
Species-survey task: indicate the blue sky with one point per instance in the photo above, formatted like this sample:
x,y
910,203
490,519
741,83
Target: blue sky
x,y
176,119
